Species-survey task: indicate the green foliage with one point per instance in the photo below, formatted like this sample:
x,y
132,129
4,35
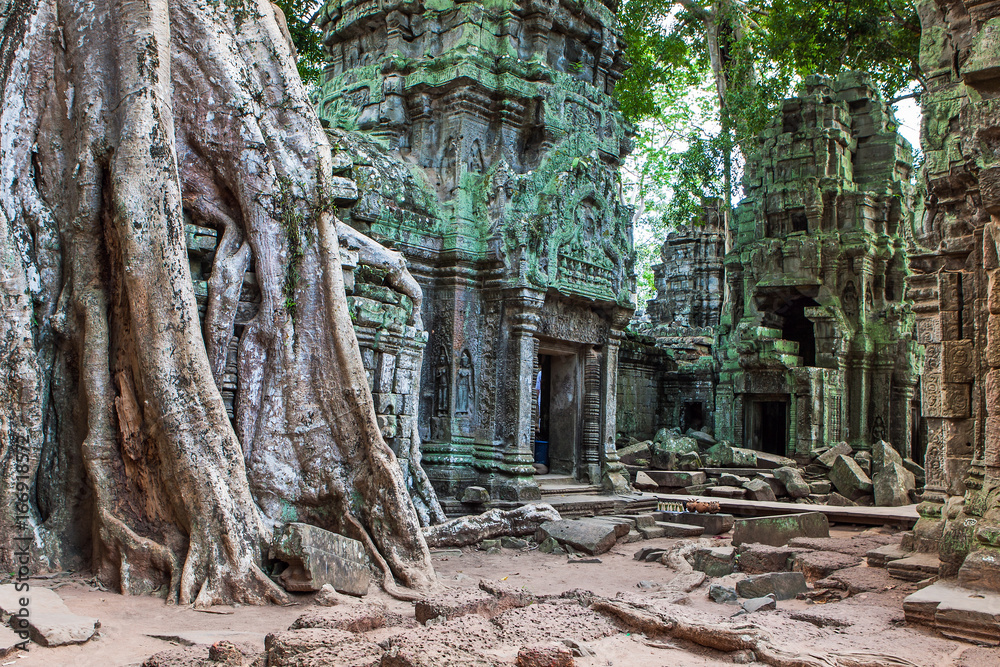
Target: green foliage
x,y
302,19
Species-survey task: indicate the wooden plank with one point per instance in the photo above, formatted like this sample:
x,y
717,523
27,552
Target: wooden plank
x,y
871,516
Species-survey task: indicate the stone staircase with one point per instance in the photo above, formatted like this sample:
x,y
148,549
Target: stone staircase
x,y
555,484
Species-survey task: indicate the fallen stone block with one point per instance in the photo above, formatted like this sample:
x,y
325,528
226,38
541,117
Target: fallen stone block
x,y
884,454
713,524
773,461
329,597
881,556
758,489
312,647
586,535
837,500
766,603
724,455
728,479
679,529
892,485
488,601
858,545
917,471
727,492
47,619
917,567
816,565
849,479
778,530
648,554
827,458
722,594
713,561
821,487
352,618
676,478
651,532
644,482
783,585
864,461
795,484
776,486
316,557
475,495
754,558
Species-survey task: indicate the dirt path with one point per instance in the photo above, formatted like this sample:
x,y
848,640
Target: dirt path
x,y
873,621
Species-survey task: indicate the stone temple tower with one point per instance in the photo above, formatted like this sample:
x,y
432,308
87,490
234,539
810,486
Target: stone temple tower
x,y
818,344
487,149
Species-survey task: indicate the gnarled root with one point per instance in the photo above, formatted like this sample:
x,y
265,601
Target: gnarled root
x,y
730,636
467,530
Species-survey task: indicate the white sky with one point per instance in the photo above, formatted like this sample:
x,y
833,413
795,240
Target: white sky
x,y
908,115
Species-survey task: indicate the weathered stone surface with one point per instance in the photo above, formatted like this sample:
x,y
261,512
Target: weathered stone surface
x,y
766,603
676,479
783,585
727,492
644,482
489,600
587,535
838,500
828,457
864,461
858,545
713,524
916,567
316,557
883,454
820,487
768,460
816,565
722,594
513,543
754,558
413,651
858,579
724,455
795,484
880,557
315,647
679,529
956,612
350,618
892,485
475,495
849,479
545,656
551,546
667,449
649,554
45,616
329,597
728,479
10,641
713,561
758,489
778,530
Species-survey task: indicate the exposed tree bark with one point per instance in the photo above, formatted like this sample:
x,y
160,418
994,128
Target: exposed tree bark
x,y
118,117
465,530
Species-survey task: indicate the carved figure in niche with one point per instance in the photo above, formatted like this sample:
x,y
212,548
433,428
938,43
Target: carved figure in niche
x,y
869,300
878,429
850,299
449,179
476,163
441,383
465,388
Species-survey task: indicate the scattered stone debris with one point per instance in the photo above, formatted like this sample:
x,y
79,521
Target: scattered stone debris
x,y
722,594
783,585
778,530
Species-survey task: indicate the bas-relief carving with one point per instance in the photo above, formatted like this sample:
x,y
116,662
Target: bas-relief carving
x,y
465,385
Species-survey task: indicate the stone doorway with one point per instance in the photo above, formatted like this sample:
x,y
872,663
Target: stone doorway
x,y
797,327
560,409
767,424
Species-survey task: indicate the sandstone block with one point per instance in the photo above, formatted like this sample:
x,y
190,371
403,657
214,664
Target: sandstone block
x,y
816,565
849,479
545,656
783,585
727,492
758,489
756,558
829,456
316,557
778,530
713,524
49,621
676,478
713,561
892,485
796,486
586,535
722,594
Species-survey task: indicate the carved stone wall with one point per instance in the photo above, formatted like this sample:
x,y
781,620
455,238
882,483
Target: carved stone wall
x,y
487,149
955,290
817,344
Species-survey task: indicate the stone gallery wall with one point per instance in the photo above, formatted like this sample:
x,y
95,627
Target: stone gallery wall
x,y
816,344
487,148
956,290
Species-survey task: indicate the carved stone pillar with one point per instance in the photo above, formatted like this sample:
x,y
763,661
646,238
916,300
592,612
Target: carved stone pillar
x,y
612,471
589,458
513,469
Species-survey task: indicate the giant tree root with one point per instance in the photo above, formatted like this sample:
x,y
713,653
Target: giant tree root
x,y
467,530
731,636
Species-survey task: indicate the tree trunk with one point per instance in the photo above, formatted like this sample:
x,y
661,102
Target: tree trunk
x,y
119,119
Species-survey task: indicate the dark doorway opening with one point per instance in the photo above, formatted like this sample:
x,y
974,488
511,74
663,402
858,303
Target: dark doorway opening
x,y
559,412
767,426
799,328
694,416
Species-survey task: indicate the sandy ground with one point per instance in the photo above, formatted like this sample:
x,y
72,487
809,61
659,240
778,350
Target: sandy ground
x,y
133,628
